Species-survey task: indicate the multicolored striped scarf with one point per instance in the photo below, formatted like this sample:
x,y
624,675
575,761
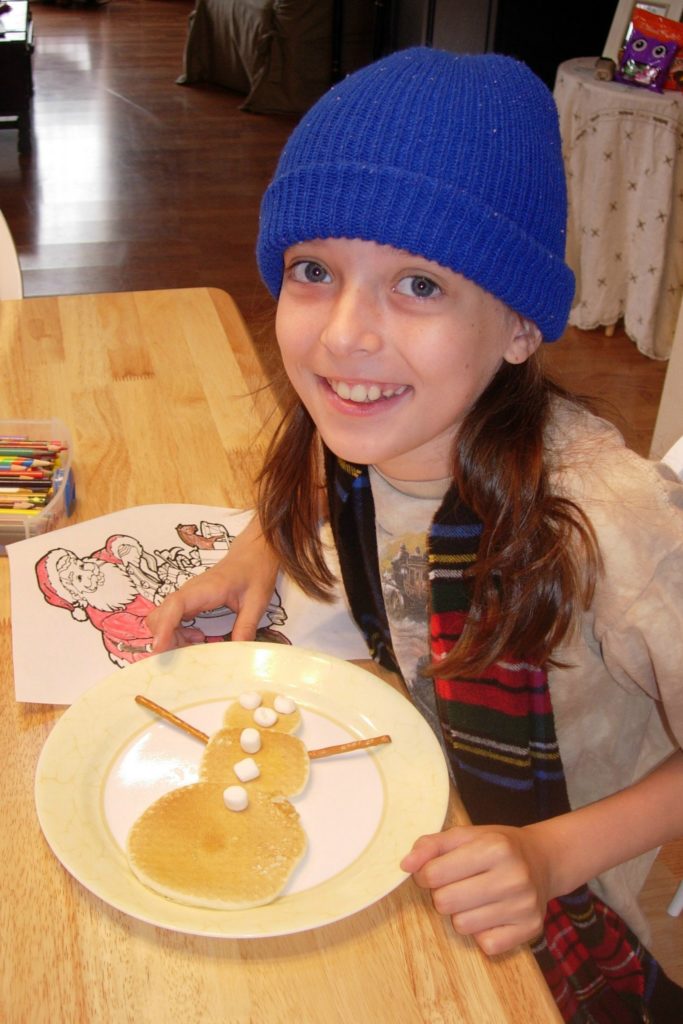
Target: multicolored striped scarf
x,y
500,735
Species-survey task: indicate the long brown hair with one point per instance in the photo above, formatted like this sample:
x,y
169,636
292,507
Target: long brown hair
x,y
538,558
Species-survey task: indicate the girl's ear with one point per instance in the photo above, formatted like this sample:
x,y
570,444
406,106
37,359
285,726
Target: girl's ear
x,y
526,337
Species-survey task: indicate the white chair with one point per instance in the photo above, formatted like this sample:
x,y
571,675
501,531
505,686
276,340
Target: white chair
x,y
674,460
11,282
676,905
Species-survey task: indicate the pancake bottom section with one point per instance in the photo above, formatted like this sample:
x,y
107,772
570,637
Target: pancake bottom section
x,y
190,847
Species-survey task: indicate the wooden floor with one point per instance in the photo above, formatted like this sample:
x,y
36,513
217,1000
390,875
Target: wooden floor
x,y
136,183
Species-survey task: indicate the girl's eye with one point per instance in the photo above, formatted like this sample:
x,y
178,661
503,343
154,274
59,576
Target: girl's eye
x,y
309,272
418,287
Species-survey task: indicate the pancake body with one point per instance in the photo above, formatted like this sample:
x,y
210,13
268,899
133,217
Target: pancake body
x,y
282,760
237,717
189,847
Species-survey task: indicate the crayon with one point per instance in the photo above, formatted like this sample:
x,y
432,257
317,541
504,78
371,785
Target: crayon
x,y
21,447
12,484
21,506
24,439
29,453
24,474
7,497
19,494
12,460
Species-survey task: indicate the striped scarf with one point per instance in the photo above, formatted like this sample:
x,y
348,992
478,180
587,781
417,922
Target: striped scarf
x,y
500,735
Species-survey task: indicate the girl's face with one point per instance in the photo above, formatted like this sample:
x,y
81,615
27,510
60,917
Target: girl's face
x,y
388,351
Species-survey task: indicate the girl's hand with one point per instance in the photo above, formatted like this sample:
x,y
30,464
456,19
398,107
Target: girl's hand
x,y
244,581
493,881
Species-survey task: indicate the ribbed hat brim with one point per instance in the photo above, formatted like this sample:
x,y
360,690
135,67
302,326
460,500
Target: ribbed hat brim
x,y
440,223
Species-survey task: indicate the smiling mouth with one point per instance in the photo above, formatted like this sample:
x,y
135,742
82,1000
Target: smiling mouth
x,y
364,394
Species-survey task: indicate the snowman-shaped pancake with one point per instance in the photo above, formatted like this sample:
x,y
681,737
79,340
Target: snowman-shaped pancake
x,y
231,840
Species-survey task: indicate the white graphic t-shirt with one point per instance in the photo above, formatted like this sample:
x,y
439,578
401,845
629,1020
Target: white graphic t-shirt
x,y
403,513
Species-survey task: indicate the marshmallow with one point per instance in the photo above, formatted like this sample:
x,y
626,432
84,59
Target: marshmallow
x,y
235,798
250,741
250,700
285,705
265,716
246,769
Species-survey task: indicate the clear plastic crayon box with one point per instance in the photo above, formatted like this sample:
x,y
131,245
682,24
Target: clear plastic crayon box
x,y
22,515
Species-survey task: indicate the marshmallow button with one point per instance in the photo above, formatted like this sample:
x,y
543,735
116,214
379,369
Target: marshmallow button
x,y
250,700
285,705
250,741
246,770
235,798
265,717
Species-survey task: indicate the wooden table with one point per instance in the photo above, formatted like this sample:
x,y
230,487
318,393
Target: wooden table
x,y
154,386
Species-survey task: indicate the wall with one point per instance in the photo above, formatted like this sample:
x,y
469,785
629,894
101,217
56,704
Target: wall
x,y
459,25
541,32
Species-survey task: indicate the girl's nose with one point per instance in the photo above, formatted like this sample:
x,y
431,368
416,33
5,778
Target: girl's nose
x,y
354,323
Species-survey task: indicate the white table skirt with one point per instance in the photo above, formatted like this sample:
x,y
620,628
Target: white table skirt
x,y
623,151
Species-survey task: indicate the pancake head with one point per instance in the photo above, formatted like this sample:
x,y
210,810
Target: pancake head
x,y
239,717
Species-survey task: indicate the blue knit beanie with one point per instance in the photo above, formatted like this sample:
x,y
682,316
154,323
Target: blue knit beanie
x,y
454,158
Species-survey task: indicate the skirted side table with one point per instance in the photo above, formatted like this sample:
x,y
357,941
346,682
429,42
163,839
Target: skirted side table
x,y
623,151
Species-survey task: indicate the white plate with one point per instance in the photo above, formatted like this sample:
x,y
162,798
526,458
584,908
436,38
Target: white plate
x,y
107,758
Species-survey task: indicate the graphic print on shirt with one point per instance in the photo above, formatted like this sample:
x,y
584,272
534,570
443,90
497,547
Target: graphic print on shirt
x,y
405,586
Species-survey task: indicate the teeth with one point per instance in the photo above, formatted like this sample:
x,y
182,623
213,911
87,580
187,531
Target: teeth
x,y
363,393
359,393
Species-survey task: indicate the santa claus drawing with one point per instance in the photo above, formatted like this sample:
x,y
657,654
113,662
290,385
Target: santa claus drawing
x,y
116,587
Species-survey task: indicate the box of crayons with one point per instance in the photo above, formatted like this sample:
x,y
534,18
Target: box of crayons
x,y
36,478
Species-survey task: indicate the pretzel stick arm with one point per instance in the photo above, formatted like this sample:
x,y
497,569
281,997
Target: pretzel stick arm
x,y
170,717
344,748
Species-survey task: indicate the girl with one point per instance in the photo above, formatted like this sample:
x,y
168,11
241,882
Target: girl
x,y
498,544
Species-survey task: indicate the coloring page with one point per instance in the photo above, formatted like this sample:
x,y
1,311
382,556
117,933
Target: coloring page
x,y
80,597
